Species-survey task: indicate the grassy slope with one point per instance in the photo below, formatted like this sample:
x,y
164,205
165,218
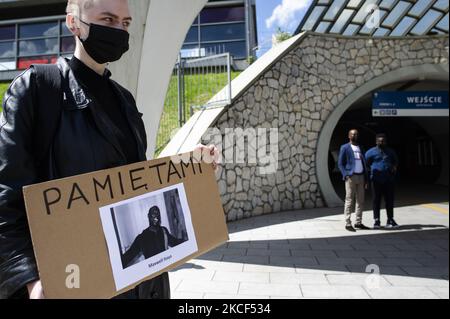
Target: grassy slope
x,y
169,120
3,88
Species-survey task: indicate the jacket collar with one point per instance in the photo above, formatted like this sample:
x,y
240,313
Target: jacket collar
x,y
72,89
74,92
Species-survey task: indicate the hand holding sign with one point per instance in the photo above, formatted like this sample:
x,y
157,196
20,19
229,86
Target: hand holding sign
x,y
208,154
97,220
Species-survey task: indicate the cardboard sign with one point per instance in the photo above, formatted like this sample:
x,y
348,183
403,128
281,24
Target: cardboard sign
x,y
100,234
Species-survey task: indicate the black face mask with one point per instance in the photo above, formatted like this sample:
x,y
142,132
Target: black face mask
x,y
105,44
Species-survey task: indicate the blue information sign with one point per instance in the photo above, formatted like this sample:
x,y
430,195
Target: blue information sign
x,y
418,103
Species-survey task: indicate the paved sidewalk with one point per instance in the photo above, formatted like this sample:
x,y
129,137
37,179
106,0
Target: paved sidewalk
x,y
308,254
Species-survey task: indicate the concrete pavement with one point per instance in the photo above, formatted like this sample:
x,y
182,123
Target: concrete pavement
x,y
308,254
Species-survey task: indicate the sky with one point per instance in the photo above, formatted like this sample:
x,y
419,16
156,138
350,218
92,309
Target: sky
x,y
274,14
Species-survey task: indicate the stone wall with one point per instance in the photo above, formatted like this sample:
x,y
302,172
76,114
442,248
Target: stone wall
x,y
297,95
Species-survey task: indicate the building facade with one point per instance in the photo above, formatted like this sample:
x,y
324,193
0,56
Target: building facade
x,y
34,32
224,26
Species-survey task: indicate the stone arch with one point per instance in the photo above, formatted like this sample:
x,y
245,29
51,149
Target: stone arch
x,y
421,72
295,88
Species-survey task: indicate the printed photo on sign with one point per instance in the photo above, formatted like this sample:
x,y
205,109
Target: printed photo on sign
x,y
147,234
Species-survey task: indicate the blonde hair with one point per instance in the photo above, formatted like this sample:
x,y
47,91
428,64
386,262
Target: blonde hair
x,y
74,6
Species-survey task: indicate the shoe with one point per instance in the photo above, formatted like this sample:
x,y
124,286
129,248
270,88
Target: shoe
x,y
361,226
392,224
377,224
350,228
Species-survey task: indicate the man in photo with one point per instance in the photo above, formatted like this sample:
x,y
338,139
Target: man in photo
x,y
153,240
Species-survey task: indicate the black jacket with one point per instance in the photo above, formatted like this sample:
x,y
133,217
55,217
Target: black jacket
x,y
149,243
84,142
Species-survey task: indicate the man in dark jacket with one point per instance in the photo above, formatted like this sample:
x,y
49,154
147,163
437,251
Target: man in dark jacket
x,y
99,128
352,165
383,164
153,240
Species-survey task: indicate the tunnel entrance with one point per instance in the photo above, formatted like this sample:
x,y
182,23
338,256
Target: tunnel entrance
x,y
421,144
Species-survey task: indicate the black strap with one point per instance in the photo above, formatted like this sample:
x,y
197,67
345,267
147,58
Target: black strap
x,y
50,98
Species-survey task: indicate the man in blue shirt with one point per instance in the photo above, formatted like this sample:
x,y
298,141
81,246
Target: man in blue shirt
x,y
354,171
383,164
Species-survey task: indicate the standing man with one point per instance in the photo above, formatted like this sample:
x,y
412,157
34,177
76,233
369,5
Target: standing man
x,y
98,127
354,172
383,164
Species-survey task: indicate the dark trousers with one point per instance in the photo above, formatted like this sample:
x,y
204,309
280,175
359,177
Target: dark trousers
x,y
156,288
383,190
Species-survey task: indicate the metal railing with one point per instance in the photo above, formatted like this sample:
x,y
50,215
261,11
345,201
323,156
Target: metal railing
x,y
196,84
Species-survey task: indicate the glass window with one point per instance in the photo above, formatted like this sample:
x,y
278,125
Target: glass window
x,y
400,9
309,25
334,9
341,21
388,4
223,32
64,29
192,35
443,24
381,32
36,30
7,49
427,22
420,7
7,64
25,63
436,31
189,46
8,32
192,52
67,44
36,47
351,29
323,27
236,49
227,14
354,3
403,27
441,5
366,30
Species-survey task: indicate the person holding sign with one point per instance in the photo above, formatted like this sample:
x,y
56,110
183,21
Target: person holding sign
x,y
65,120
